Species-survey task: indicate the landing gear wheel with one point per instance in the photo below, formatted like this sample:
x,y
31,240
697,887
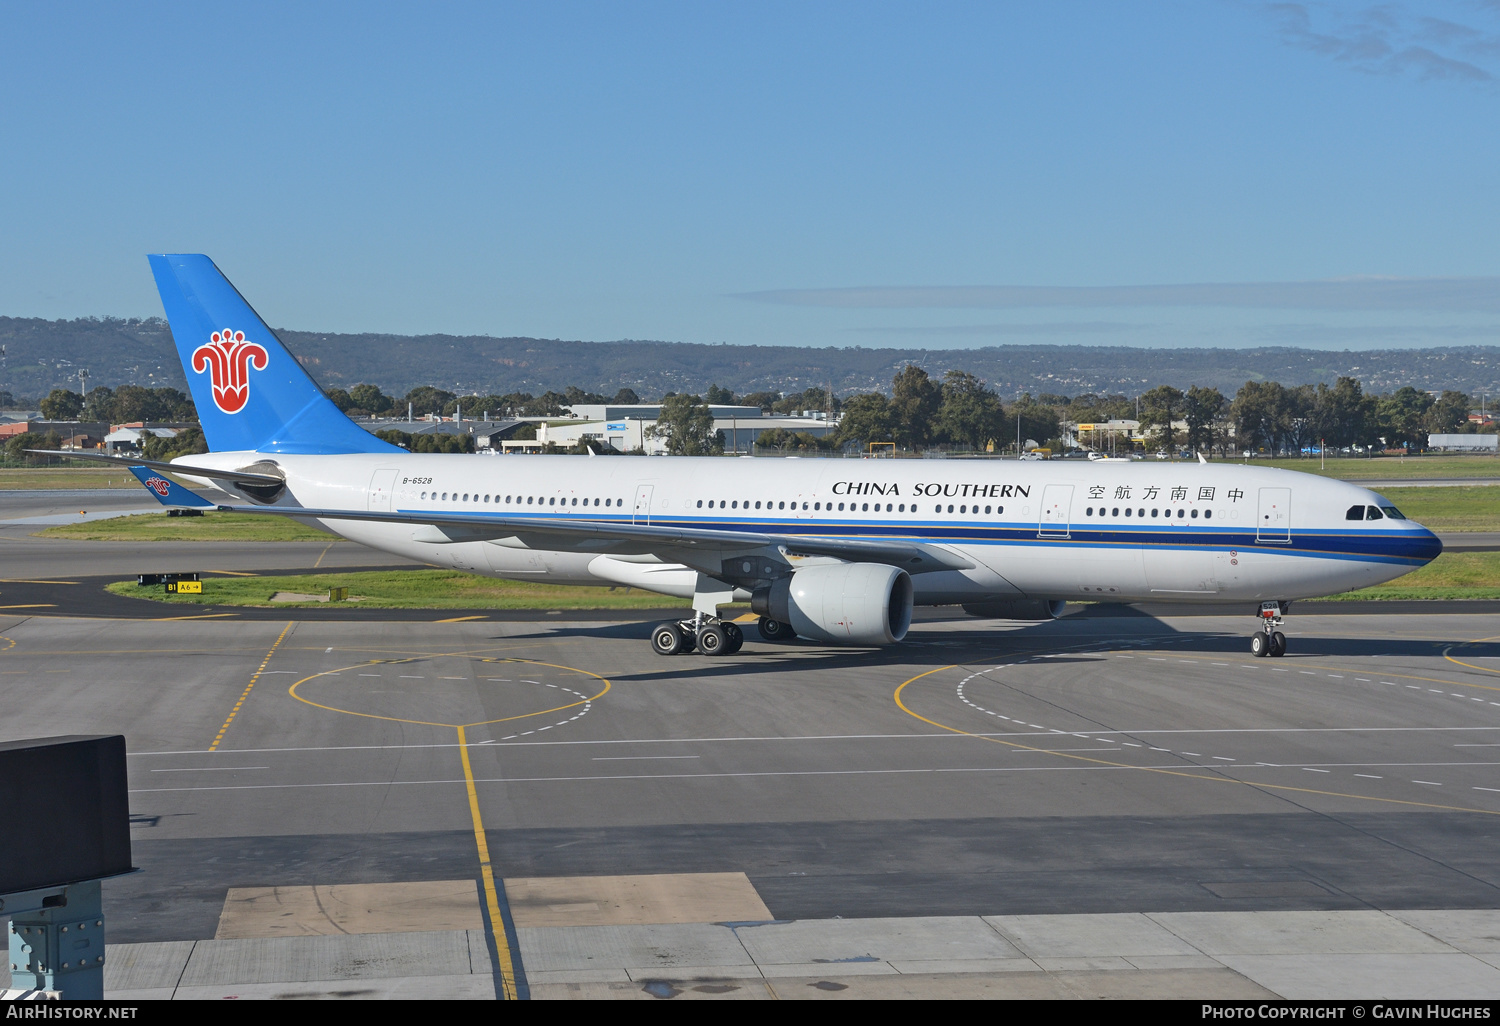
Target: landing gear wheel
x,y
667,639
736,638
775,630
1278,644
1259,645
713,640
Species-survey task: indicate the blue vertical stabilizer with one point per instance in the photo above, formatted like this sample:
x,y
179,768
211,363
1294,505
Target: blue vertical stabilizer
x,y
250,392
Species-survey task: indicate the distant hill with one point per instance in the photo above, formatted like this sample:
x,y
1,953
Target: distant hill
x,y
42,355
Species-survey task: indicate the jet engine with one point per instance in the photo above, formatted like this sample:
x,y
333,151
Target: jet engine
x,y
846,603
1017,609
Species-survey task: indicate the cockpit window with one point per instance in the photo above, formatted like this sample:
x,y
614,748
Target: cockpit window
x,y
1393,512
1355,513
1373,513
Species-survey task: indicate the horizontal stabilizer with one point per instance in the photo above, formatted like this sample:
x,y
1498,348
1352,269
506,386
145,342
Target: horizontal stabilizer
x,y
169,493
270,480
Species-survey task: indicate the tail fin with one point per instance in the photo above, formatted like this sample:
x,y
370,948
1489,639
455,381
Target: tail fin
x,y
250,392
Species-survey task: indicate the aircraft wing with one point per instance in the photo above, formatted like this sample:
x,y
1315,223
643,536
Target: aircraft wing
x,y
702,548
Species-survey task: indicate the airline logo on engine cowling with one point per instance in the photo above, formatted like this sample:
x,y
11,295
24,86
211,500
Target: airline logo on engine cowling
x,y
228,358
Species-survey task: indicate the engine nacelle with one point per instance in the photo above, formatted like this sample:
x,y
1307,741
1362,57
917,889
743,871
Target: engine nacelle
x,y
847,603
1017,609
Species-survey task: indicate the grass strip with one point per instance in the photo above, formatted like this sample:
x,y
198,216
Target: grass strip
x,y
1347,468
58,478
406,589
1453,508
211,526
1453,575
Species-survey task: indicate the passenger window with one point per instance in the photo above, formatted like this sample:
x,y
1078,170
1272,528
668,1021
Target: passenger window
x,y
817,505
1208,514
1000,509
841,507
865,508
1153,512
528,500
986,509
1181,513
1115,512
757,505
1355,513
1373,513
950,507
1127,511
552,501
1194,514
700,503
781,505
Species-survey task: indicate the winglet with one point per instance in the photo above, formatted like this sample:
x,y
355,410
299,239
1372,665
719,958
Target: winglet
x,y
170,493
1202,460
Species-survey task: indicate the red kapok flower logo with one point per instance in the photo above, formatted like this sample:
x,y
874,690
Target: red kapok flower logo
x,y
159,486
228,358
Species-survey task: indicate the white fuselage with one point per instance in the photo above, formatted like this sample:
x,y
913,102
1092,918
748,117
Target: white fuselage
x,y
1104,530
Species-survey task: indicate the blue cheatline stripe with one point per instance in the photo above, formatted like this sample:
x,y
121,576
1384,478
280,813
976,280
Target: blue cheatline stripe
x,y
1394,547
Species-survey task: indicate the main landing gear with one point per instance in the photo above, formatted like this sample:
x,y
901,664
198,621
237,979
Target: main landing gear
x,y
709,635
1268,641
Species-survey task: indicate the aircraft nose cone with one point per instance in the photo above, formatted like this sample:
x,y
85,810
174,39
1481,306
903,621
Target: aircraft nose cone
x,y
1428,546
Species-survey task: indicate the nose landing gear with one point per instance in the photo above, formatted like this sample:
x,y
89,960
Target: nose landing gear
x,y
1268,641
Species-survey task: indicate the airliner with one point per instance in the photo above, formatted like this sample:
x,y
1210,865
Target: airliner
x,y
832,550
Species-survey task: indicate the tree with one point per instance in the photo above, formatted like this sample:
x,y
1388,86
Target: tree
x,y
61,404
1400,415
370,399
1449,414
814,400
1038,422
969,415
1259,410
99,404
626,397
1202,408
915,400
719,396
1344,414
792,441
866,419
575,396
687,425
1159,407
16,446
187,442
425,399
430,442
340,398
762,399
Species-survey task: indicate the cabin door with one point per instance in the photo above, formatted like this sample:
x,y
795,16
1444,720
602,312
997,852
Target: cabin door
x,y
381,486
1057,504
641,514
1274,524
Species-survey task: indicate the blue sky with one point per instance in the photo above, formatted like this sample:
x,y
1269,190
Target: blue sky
x,y
925,174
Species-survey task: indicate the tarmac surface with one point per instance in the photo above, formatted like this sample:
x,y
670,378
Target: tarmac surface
x,y
1126,804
